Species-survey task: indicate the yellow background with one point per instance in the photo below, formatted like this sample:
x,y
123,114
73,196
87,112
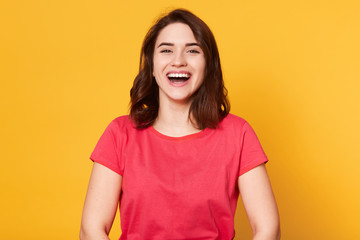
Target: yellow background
x,y
292,69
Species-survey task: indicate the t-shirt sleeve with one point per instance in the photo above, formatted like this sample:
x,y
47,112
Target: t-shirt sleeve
x,y
107,149
252,154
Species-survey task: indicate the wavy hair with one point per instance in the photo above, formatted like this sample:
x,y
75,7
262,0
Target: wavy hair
x,y
209,103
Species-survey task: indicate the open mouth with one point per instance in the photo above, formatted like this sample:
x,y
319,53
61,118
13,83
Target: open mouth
x,y
178,77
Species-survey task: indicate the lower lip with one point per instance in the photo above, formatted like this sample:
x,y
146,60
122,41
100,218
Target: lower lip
x,y
178,84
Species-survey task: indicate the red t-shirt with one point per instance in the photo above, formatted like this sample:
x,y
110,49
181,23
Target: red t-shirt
x,y
179,187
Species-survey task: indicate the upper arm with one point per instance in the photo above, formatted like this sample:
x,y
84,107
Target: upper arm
x,y
258,199
101,200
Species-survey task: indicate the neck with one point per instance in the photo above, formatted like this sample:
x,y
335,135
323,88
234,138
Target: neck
x,y
173,119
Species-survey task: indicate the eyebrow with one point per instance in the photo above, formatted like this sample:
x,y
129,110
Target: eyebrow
x,y
171,44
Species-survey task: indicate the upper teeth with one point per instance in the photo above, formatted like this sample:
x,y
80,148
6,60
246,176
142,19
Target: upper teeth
x,y
179,75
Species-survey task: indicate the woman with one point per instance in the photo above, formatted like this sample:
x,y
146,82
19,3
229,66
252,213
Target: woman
x,y
177,163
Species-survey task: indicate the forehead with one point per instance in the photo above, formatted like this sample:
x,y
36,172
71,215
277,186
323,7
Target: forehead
x,y
176,33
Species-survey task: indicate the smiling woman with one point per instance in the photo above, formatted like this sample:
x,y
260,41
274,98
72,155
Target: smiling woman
x,y
180,36
179,64
177,163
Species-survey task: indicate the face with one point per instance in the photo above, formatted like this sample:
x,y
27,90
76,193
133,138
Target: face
x,y
179,63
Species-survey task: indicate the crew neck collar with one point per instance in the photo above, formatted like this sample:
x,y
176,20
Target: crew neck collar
x,y
182,138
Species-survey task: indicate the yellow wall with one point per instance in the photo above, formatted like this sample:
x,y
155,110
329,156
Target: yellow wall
x,y
292,69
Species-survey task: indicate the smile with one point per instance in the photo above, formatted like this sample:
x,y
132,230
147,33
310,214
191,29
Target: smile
x,y
178,77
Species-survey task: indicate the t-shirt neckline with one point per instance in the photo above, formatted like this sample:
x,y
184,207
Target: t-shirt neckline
x,y
182,138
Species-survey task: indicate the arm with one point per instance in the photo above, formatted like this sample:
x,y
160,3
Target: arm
x,y
101,203
259,203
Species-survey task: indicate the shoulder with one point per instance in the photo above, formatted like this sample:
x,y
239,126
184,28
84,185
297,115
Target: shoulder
x,y
121,125
232,121
122,121
235,126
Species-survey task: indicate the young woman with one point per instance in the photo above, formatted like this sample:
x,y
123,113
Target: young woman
x,y
177,163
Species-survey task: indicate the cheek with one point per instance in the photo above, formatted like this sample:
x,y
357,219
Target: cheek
x,y
159,63
199,64
156,70
202,67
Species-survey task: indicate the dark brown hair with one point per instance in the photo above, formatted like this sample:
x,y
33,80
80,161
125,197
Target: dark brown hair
x,y
209,103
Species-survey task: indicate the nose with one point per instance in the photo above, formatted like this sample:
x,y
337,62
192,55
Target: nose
x,y
179,60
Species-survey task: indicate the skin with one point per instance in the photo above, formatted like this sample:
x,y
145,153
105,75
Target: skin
x,y
259,203
101,203
179,53
182,54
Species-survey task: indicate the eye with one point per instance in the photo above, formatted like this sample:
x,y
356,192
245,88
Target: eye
x,y
193,51
165,51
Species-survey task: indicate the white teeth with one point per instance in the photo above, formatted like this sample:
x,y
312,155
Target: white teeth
x,y
178,75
